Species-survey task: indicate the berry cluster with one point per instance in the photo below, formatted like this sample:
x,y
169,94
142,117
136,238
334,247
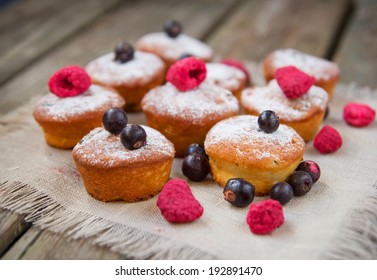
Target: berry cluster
x,y
132,136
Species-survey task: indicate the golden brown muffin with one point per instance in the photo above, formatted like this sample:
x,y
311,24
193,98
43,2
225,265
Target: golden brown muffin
x,y
66,120
238,148
304,114
325,72
171,49
111,172
131,79
186,117
227,77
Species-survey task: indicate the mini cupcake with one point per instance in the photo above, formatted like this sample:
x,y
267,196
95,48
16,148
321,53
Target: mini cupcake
x,y
185,108
131,73
293,97
73,107
172,44
325,72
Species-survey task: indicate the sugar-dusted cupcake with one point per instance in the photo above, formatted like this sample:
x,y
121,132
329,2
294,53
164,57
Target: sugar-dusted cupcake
x,y
131,73
73,107
185,108
240,147
293,97
325,72
123,161
171,44
227,76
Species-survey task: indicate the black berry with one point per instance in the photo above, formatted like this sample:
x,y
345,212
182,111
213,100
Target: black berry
x,y
195,167
123,52
133,137
184,55
310,167
114,120
281,192
301,182
239,192
173,28
195,149
268,121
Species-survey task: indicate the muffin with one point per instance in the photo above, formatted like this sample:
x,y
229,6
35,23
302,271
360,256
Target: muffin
x,y
238,148
112,172
172,44
227,77
66,115
131,73
305,114
325,72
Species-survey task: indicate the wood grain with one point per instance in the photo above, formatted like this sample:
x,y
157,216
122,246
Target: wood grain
x,y
29,29
259,27
126,23
36,245
357,54
11,227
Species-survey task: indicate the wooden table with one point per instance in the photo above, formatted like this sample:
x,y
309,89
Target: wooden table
x,y
37,37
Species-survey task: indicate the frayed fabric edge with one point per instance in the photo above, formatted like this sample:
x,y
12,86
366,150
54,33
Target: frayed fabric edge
x,y
132,243
358,238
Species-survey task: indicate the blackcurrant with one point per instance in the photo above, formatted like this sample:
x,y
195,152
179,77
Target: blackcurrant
x,y
195,167
133,136
114,120
281,192
268,121
173,28
123,52
310,167
301,182
239,192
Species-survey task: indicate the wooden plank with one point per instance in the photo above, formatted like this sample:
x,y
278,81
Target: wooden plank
x,y
37,245
11,227
28,29
128,22
125,23
259,27
357,54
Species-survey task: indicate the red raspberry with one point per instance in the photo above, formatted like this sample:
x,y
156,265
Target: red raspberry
x,y
357,114
239,65
293,82
187,73
265,216
69,81
177,203
328,140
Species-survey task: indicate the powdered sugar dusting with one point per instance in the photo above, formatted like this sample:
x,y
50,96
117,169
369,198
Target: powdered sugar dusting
x,y
141,69
207,100
172,48
271,97
101,148
255,143
89,101
225,76
317,67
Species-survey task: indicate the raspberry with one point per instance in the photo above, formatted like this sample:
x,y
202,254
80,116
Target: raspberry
x,y
357,114
187,73
69,81
293,82
239,65
265,216
328,140
177,203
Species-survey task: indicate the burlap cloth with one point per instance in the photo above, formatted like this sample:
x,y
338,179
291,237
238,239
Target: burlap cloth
x,y
337,219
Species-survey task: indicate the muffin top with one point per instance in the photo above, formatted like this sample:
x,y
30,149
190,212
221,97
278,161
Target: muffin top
x,y
319,68
143,68
239,139
94,99
171,49
206,101
102,149
225,76
271,97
